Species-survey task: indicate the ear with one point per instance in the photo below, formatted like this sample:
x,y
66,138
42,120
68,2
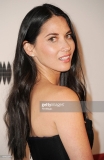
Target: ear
x,y
29,48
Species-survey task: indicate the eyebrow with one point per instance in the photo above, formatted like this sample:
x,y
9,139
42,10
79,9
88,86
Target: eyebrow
x,y
69,32
55,34
51,34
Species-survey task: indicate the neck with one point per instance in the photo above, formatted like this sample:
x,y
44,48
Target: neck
x,y
49,75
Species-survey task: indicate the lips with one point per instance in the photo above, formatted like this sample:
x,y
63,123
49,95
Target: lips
x,y
65,58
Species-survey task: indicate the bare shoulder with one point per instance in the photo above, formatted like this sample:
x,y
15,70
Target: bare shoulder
x,y
64,94
54,93
71,127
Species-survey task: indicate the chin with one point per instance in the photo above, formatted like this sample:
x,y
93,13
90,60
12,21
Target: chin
x,y
66,69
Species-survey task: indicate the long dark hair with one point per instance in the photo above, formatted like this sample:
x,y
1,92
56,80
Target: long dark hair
x,y
25,74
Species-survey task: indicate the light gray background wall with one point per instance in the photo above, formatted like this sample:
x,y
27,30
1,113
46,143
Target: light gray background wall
x,y
88,19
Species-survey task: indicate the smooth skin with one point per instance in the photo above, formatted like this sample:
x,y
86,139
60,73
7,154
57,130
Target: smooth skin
x,y
52,53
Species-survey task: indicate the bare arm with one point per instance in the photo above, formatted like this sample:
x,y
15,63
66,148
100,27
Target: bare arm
x,y
71,129
27,153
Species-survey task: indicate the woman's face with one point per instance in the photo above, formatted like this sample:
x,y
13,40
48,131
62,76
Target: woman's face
x,y
54,46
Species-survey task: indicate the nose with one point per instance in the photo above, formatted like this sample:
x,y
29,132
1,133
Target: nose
x,y
65,49
65,46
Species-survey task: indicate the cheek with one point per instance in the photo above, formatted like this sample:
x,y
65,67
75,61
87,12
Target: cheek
x,y
48,50
73,47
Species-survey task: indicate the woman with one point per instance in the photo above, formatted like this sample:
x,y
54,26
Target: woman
x,y
47,68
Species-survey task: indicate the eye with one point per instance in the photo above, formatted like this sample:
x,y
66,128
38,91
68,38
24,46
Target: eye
x,y
69,36
53,39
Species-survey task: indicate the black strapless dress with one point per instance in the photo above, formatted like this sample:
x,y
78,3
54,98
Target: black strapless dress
x,y
51,148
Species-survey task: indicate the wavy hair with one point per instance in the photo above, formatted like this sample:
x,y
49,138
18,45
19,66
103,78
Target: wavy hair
x,y
25,74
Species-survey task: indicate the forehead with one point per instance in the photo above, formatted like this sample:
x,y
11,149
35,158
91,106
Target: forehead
x,y
55,24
